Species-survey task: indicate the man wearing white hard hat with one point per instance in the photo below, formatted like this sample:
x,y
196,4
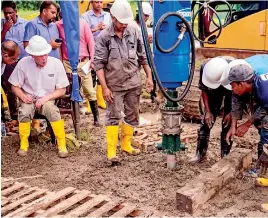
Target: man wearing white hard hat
x,y
119,51
37,81
213,96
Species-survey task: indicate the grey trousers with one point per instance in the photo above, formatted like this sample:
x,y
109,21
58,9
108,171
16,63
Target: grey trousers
x,y
49,110
125,105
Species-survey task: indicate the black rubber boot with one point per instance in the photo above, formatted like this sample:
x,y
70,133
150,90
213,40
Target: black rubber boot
x,y
260,149
201,149
95,112
225,148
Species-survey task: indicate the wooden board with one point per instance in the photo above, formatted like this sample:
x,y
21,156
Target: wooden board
x,y
21,200
207,184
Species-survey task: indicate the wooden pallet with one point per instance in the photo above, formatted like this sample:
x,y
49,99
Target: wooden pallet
x,y
20,200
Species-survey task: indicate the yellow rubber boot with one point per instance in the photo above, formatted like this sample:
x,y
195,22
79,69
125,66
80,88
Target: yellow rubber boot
x,y
100,99
126,137
263,182
58,129
112,141
4,98
24,132
88,111
264,207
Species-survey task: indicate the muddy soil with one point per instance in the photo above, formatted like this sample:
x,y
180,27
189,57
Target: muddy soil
x,y
143,180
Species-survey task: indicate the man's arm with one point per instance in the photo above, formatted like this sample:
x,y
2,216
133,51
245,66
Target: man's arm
x,y
148,72
21,95
30,31
90,42
5,27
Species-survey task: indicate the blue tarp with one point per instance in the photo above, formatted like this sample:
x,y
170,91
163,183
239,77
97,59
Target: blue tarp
x,y
259,63
70,16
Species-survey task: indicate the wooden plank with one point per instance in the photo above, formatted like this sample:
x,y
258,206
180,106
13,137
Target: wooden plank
x,y
11,189
127,209
45,202
4,185
207,184
65,204
4,200
25,206
85,207
23,192
13,205
104,209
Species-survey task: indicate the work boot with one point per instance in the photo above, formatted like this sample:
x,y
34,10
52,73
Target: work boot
x,y
112,141
58,129
95,111
126,138
201,149
225,148
88,111
260,149
100,99
35,127
263,182
24,133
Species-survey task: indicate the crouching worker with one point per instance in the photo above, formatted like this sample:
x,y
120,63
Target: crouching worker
x,y
37,81
119,51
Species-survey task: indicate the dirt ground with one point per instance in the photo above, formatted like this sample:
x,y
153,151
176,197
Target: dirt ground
x,y
143,180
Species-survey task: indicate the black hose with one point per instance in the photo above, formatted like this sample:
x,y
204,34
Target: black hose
x,y
220,28
150,56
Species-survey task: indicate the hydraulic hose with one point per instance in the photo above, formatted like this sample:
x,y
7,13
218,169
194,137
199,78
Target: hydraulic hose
x,y
194,17
150,55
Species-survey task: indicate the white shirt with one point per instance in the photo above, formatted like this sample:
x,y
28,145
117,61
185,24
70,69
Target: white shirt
x,y
36,81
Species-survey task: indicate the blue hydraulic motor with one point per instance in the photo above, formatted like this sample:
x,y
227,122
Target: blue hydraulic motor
x,y
173,64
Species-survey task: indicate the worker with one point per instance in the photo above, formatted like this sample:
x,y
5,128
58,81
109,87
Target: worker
x,y
13,26
213,95
44,26
147,11
10,52
119,51
248,93
98,20
86,54
263,182
37,81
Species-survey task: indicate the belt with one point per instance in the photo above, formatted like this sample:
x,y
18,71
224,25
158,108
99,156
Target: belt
x,y
82,59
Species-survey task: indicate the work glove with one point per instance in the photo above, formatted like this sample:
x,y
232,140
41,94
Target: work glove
x,y
262,162
209,119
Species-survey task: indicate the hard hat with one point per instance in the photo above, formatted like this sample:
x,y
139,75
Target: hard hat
x,y
38,46
213,71
224,78
121,10
146,8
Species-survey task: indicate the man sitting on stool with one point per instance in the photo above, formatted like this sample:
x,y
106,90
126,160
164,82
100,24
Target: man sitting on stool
x,y
37,81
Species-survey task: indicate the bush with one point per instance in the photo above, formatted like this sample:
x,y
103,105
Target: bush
x,y
28,5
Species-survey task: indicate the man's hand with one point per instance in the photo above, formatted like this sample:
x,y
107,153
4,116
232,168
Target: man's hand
x,y
97,27
104,26
227,120
54,44
107,95
150,38
209,119
40,102
242,129
230,135
7,25
28,99
150,84
91,66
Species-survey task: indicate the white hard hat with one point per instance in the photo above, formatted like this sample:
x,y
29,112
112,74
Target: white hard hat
x,y
38,46
224,78
121,10
146,8
213,71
